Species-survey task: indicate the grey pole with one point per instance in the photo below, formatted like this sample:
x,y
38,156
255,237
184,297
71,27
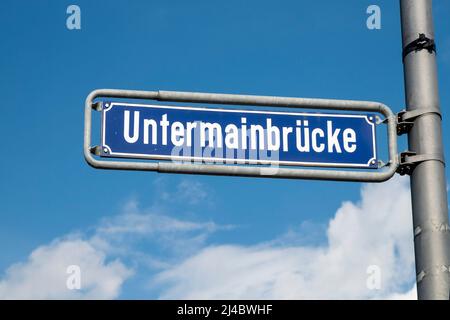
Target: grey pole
x,y
428,182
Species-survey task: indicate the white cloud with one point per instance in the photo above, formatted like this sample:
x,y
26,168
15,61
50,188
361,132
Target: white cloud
x,y
192,191
376,231
408,295
188,191
44,274
149,224
178,237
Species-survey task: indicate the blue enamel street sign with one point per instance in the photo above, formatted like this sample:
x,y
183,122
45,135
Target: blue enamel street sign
x,y
212,135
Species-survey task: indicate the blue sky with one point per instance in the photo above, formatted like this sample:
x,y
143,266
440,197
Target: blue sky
x,y
317,49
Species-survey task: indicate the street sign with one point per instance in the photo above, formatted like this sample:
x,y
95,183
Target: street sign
x,y
231,136
231,142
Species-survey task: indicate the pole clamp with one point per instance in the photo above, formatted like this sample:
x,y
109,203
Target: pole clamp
x,y
405,119
423,42
409,160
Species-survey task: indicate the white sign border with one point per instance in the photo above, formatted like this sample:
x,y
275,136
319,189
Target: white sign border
x,y
111,154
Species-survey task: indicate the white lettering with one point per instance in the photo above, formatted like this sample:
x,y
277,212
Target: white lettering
x,y
214,134
126,127
232,137
147,124
317,147
189,127
164,124
254,131
349,137
286,132
305,146
333,142
177,134
273,136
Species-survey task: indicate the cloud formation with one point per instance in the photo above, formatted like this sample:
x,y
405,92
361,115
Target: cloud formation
x,y
377,231
106,256
44,275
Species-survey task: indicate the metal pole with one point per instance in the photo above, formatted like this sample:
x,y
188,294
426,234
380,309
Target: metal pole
x,y
428,182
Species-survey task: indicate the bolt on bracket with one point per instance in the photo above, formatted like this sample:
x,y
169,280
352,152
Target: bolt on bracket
x,y
406,166
405,119
96,150
97,106
403,125
409,160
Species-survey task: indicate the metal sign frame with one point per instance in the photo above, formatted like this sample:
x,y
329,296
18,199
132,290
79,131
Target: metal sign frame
x,y
238,170
369,118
